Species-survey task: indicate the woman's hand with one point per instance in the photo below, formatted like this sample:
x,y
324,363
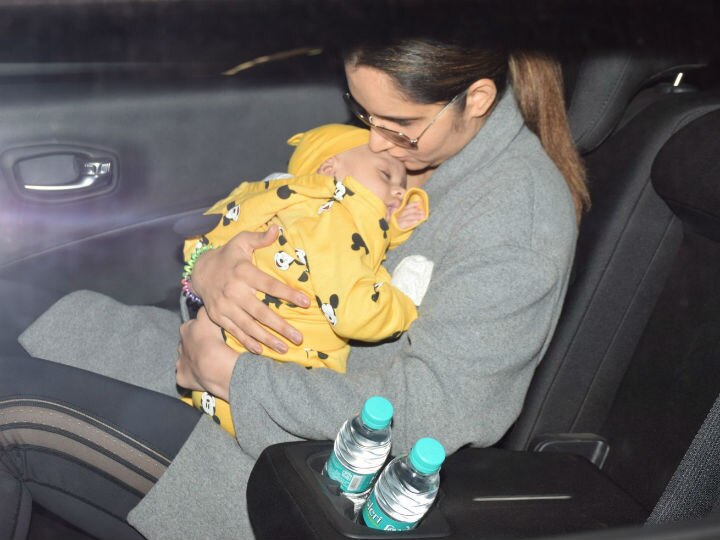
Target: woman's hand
x,y
204,361
227,281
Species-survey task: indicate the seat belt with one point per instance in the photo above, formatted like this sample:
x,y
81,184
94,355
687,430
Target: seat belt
x,y
694,488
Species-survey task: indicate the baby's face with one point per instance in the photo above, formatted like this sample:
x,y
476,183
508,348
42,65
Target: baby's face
x,y
380,173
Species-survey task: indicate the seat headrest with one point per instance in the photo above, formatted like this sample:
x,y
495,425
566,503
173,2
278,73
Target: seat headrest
x,y
603,86
686,174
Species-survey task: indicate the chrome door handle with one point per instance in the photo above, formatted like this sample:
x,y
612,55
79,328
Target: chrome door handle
x,y
91,172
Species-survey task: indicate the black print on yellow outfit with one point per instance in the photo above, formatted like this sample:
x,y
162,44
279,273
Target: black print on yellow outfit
x,y
356,300
319,218
284,192
384,227
358,243
231,214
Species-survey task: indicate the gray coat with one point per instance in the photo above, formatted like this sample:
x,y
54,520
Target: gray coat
x,y
501,235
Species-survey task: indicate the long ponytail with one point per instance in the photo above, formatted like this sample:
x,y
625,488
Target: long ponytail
x,y
536,80
430,71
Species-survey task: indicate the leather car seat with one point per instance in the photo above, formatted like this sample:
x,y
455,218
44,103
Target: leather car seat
x,y
625,245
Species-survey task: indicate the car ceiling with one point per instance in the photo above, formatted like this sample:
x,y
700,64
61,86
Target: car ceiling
x,y
211,33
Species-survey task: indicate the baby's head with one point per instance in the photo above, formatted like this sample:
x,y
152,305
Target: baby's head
x,y
339,150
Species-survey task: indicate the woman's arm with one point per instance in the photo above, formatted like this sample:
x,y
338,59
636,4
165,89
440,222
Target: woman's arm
x,y
227,280
204,362
459,374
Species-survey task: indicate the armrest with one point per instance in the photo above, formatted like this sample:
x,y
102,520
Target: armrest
x,y
485,493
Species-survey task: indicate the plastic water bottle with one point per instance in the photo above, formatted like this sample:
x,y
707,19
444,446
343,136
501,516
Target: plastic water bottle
x,y
406,489
361,449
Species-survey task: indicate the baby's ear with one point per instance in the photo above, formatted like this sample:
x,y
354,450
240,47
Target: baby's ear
x,y
328,167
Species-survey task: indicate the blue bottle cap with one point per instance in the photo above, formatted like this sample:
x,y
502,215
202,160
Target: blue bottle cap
x,y
377,413
427,455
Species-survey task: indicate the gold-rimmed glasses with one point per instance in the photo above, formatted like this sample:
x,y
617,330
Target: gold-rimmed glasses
x,y
398,138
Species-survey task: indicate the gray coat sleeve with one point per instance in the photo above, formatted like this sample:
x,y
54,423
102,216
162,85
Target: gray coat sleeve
x,y
459,374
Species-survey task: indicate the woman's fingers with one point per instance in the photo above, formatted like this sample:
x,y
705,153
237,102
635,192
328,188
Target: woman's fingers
x,y
264,283
257,336
271,291
270,319
236,321
229,284
251,334
247,327
240,312
246,243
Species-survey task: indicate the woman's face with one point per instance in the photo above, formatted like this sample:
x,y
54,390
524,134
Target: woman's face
x,y
377,94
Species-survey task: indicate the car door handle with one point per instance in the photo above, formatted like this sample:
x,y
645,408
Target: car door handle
x,y
93,171
59,173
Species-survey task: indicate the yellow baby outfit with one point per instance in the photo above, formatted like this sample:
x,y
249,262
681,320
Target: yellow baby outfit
x,y
333,238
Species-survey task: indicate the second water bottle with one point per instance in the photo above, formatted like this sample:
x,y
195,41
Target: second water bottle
x,y
406,488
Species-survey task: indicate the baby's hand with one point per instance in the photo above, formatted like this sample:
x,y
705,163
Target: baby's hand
x,y
410,216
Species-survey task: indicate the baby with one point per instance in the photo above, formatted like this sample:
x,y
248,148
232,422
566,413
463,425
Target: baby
x,y
339,210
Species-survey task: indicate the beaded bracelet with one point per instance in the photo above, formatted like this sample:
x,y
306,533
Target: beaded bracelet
x,y
187,272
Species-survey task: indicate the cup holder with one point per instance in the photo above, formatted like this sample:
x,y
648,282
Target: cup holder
x,y
340,511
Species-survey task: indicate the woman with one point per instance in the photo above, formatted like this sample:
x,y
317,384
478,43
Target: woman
x,y
497,249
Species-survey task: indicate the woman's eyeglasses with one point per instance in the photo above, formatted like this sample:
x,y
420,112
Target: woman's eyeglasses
x,y
398,138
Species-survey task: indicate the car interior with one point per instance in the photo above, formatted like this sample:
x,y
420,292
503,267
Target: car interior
x,y
114,142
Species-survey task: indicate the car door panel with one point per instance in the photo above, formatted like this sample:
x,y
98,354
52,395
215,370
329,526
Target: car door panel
x,y
174,150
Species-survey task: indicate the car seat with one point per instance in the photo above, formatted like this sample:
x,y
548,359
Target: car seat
x,y
624,249
672,380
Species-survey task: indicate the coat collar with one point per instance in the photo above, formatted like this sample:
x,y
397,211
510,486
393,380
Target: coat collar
x,y
502,126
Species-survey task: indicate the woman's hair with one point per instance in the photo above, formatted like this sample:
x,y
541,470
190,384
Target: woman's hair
x,y
429,71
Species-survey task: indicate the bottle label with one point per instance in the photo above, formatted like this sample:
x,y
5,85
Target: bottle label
x,y
349,481
375,518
